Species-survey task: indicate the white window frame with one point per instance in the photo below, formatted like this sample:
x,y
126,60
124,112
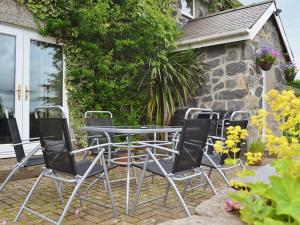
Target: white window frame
x,y
22,70
194,11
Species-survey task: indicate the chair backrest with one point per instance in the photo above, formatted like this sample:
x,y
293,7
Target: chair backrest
x,y
56,141
102,121
9,133
191,144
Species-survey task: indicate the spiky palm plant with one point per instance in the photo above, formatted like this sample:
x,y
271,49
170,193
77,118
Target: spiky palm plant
x,y
173,80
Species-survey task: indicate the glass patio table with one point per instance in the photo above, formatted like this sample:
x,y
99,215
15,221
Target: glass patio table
x,y
128,131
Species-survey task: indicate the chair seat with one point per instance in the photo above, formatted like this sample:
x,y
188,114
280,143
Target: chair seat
x,y
206,162
83,165
34,161
152,167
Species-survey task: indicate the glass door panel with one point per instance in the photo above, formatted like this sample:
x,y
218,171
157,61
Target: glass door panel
x,y
45,79
7,73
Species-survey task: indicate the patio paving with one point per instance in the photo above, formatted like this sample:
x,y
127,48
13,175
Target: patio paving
x,y
46,201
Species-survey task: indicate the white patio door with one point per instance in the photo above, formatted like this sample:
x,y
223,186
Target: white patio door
x,y
31,76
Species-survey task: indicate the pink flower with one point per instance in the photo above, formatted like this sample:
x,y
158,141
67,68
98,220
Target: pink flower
x,y
232,206
275,53
4,222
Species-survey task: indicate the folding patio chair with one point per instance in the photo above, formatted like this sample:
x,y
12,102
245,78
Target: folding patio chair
x,y
215,161
185,166
10,136
61,164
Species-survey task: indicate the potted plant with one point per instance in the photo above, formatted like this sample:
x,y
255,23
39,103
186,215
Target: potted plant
x,y
266,57
254,156
290,71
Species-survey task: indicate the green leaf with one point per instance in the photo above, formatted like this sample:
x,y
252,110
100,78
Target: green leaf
x,y
270,221
285,193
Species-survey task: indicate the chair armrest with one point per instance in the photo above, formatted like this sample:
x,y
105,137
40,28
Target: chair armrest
x,y
26,143
217,138
89,148
29,139
159,147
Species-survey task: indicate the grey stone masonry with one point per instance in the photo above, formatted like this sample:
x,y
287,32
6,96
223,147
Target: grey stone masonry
x,y
233,81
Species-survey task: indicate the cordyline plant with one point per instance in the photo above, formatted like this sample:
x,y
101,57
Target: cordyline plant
x,y
279,202
266,55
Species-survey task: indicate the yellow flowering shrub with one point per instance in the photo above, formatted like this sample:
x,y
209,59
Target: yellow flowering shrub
x,y
253,158
278,202
231,146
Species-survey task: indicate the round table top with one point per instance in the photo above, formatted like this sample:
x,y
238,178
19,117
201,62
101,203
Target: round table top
x,y
133,129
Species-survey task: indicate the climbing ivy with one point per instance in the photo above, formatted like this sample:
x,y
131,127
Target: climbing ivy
x,y
108,45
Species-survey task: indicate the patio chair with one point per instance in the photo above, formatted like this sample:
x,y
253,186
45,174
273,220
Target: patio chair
x,y
10,136
185,165
61,164
215,161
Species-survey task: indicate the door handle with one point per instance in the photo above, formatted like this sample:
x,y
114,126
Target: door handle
x,y
18,91
26,92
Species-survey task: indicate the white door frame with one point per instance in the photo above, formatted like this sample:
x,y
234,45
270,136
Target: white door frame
x,y
22,73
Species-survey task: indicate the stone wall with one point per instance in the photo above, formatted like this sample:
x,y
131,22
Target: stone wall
x,y
14,13
233,81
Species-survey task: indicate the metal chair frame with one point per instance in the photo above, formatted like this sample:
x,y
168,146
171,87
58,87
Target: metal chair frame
x,y
22,163
77,180
171,177
220,168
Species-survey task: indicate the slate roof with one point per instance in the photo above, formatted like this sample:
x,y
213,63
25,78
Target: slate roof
x,y
236,19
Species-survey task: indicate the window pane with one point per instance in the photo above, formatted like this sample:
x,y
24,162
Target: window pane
x,y
7,72
187,7
46,78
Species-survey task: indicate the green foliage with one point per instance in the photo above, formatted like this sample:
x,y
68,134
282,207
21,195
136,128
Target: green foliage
x,y
110,45
295,86
220,5
173,80
257,146
279,201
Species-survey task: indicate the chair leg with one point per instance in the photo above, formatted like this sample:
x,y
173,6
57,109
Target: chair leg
x,y
79,197
171,181
59,190
91,185
223,176
209,174
109,187
29,195
11,174
167,191
209,182
137,195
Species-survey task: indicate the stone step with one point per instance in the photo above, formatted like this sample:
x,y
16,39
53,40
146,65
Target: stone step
x,y
6,165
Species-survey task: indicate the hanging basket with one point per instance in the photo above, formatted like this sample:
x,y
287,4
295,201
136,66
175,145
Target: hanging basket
x,y
290,77
265,66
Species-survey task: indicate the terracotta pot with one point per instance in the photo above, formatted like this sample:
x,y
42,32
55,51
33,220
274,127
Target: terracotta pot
x,y
265,66
290,77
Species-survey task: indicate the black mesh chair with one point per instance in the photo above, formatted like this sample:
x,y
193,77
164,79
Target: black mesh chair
x,y
99,118
61,164
9,135
215,161
188,157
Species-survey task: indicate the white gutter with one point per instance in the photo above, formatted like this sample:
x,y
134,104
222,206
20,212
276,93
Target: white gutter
x,y
215,36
